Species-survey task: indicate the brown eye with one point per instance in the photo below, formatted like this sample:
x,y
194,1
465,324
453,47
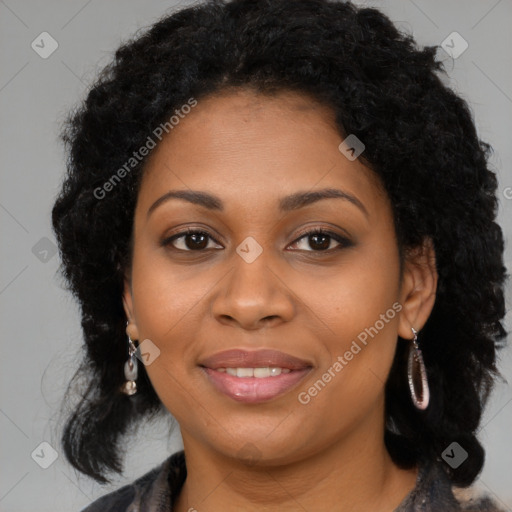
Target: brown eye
x,y
193,240
320,240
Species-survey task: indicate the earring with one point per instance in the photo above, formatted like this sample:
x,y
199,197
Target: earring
x,y
130,370
415,364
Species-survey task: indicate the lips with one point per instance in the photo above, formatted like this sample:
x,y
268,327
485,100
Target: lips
x,y
254,377
256,359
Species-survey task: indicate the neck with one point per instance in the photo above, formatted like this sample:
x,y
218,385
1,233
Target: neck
x,y
355,474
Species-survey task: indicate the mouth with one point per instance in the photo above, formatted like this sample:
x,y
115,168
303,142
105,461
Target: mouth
x,y
254,377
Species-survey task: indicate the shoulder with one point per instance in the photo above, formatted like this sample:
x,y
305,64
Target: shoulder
x,y
118,500
143,490
483,503
434,492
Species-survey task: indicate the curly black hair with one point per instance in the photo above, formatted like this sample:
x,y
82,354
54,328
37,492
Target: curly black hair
x,y
420,140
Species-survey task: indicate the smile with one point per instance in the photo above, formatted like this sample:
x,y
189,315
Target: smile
x,y
254,377
259,373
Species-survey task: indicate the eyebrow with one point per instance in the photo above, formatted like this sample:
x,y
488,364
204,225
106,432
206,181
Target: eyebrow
x,y
288,203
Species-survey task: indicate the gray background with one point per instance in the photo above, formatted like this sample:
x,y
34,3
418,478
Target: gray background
x,y
40,322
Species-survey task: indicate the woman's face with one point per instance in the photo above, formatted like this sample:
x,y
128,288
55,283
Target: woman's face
x,y
307,325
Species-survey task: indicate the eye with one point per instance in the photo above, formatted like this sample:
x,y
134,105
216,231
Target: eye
x,y
320,240
196,240
193,240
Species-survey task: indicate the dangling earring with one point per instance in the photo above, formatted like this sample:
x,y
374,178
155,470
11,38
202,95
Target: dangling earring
x,y
130,370
416,365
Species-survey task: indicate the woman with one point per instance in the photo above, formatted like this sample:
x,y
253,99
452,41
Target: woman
x,y
280,226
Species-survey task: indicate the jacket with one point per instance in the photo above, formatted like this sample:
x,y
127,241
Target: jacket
x,y
156,490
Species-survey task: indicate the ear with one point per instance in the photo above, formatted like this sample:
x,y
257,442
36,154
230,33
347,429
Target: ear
x,y
131,328
418,290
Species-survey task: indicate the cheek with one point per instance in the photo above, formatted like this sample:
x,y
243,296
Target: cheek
x,y
168,310
355,296
358,313
167,302
162,292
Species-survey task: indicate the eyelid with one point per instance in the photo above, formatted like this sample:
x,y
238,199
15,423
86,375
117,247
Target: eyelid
x,y
323,229
189,230
344,241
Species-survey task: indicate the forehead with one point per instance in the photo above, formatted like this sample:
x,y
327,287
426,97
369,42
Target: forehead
x,y
250,149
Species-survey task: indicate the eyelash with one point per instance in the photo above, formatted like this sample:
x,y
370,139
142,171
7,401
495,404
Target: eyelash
x,y
343,241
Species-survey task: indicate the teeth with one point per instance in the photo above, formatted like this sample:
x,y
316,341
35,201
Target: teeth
x,y
244,372
259,373
262,372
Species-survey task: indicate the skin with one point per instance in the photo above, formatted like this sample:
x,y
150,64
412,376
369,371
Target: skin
x,y
250,150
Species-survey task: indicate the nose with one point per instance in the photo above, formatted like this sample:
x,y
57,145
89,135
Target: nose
x,y
254,295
